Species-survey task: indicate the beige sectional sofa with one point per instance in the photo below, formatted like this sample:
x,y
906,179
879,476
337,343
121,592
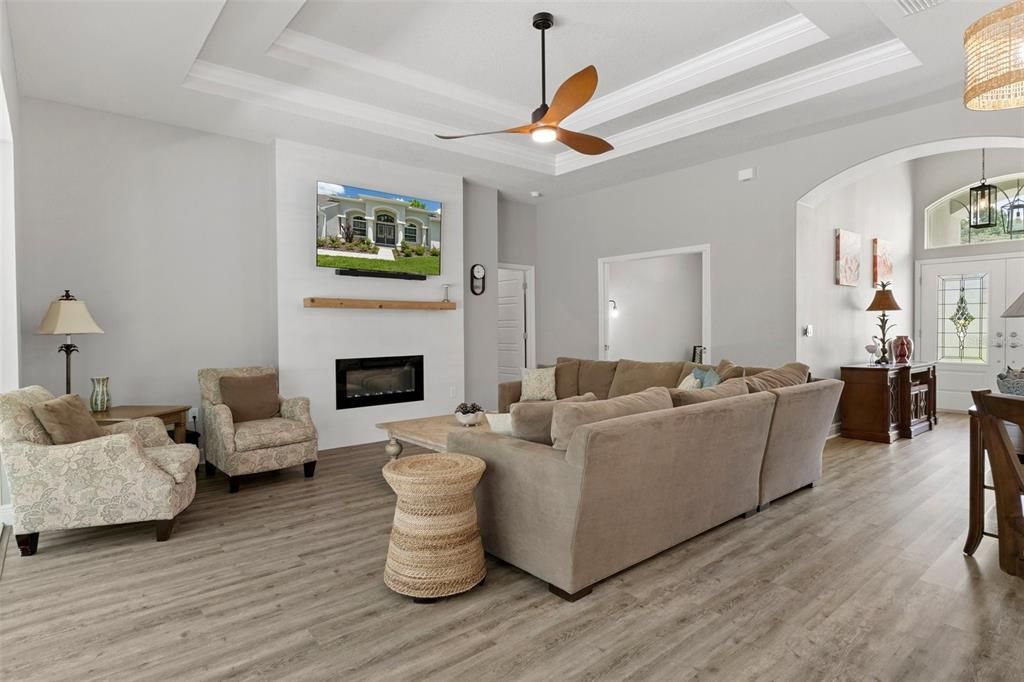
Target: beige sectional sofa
x,y
628,488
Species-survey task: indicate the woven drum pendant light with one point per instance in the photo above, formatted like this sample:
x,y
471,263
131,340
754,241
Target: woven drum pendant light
x,y
994,51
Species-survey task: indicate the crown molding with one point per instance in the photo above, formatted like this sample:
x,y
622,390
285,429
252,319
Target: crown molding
x,y
232,83
855,68
759,47
312,52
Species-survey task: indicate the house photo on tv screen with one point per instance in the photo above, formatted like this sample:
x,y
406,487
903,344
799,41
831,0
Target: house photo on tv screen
x,y
360,229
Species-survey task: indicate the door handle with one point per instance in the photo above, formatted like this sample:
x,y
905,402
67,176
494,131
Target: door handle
x,y
1014,344
997,344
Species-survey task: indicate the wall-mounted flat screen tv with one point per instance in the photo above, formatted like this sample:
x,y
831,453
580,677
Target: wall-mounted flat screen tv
x,y
368,232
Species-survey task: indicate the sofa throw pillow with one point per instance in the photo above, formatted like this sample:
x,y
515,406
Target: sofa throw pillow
x,y
726,369
567,417
595,376
67,419
500,423
726,389
707,377
689,383
532,421
250,397
632,376
539,384
567,379
791,374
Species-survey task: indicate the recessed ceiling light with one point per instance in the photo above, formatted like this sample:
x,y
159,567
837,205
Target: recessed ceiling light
x,y
535,194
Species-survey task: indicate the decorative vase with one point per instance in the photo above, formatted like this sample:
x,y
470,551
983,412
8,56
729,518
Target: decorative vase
x,y
99,401
902,349
471,419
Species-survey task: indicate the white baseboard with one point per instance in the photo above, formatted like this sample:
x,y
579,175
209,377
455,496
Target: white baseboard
x,y
833,431
7,514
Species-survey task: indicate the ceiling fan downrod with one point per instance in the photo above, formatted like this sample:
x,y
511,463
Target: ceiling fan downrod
x,y
542,21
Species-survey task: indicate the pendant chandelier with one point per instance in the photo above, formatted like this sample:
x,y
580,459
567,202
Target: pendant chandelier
x,y
982,201
994,52
1013,213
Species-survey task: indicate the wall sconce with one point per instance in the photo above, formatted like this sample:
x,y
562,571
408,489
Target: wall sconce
x,y
614,312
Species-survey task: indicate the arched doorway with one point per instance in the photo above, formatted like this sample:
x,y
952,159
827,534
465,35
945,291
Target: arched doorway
x,y
870,199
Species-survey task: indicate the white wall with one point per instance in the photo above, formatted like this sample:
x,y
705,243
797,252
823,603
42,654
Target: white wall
x,y
311,339
481,342
659,307
517,232
167,235
881,206
9,129
937,175
9,108
750,227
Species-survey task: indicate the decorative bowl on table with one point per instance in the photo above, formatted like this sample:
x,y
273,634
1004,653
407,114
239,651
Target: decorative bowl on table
x,y
469,414
1011,381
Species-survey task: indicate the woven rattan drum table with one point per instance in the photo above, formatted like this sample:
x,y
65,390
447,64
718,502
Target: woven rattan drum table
x,y
435,548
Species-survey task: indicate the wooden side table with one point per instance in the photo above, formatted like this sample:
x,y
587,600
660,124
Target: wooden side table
x,y
435,549
886,402
172,415
977,485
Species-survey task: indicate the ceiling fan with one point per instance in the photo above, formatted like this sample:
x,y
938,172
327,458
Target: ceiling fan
x,y
571,95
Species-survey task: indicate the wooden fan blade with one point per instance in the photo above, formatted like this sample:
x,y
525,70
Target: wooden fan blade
x,y
583,143
518,129
571,95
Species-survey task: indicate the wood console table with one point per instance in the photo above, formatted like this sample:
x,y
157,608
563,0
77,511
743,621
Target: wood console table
x,y
172,415
977,484
886,402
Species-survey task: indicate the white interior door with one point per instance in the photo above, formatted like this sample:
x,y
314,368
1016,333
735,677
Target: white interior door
x,y
511,324
1014,326
970,354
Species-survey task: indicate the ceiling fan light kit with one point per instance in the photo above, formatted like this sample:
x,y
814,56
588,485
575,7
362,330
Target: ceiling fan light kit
x,y
544,126
544,134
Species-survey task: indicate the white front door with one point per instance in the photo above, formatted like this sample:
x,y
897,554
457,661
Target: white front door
x,y
511,324
959,312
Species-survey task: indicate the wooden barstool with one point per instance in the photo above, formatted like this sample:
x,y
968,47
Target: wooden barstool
x,y
994,410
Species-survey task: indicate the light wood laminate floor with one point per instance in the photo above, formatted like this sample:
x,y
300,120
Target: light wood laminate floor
x,y
860,578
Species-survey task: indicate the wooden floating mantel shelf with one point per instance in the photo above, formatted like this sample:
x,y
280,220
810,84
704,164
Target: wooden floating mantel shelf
x,y
371,304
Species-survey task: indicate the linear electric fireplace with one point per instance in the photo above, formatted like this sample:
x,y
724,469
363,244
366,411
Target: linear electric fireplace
x,y
362,382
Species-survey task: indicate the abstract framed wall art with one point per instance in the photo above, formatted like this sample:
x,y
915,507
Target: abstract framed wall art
x,y
881,262
847,258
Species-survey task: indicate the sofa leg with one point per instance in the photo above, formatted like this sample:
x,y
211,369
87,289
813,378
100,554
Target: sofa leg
x,y
210,469
163,529
232,484
748,514
308,468
575,596
27,543
761,507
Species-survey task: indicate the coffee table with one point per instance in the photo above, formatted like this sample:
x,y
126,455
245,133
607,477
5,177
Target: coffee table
x,y
427,432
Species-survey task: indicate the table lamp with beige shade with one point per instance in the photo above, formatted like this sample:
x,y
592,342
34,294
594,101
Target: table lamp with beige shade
x,y
883,302
67,315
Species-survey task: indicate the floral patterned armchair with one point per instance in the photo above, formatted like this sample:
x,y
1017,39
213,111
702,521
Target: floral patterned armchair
x,y
254,446
134,473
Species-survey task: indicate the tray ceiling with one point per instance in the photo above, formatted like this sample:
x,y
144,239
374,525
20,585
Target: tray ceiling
x,y
401,71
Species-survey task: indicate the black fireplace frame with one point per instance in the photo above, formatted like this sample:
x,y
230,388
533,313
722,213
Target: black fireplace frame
x,y
342,365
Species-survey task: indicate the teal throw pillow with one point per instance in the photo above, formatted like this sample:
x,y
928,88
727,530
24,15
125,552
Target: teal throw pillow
x,y
707,377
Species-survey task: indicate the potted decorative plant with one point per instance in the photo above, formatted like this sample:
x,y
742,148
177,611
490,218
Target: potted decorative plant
x,y
469,414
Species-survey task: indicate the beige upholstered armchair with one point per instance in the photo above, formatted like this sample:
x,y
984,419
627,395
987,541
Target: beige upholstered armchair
x,y
134,473
254,446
